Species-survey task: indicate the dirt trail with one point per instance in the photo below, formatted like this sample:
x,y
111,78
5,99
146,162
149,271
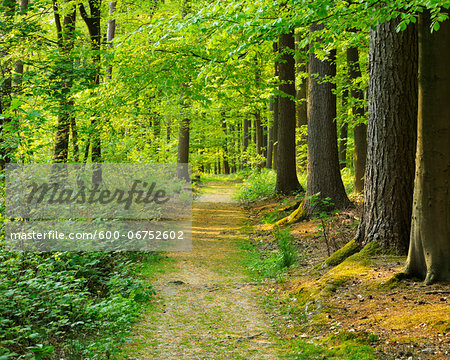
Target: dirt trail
x,y
206,309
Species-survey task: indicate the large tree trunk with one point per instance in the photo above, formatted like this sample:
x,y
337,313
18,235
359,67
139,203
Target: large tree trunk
x,y
301,106
287,180
324,176
389,173
360,130
429,251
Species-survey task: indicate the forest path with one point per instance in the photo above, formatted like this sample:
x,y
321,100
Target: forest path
x,y
205,307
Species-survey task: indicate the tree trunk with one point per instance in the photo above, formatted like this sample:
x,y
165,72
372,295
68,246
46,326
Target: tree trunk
x,y
110,33
392,129
226,164
324,176
343,134
301,106
269,142
66,38
93,24
275,133
6,90
360,130
245,134
258,132
287,181
359,156
429,250
184,130
275,112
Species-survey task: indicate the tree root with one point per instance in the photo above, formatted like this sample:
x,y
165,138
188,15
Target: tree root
x,y
297,215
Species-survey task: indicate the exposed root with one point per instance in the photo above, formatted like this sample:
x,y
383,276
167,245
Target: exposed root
x,y
297,215
339,256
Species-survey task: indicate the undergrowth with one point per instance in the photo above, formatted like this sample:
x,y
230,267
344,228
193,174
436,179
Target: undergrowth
x,y
259,184
272,263
68,305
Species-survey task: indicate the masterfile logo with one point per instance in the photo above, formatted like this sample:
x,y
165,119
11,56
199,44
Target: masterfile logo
x,y
97,207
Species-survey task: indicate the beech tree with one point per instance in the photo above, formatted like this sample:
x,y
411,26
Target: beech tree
x,y
65,31
360,129
324,176
429,250
389,172
287,180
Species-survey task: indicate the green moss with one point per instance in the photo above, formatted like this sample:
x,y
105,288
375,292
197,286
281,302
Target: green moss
x,y
342,254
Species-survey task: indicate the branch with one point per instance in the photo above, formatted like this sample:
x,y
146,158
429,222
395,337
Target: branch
x,y
190,53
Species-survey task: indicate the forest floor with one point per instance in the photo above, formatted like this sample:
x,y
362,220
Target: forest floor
x,y
210,305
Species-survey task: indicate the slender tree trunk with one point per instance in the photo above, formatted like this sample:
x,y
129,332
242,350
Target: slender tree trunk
x,y
275,133
429,250
360,130
110,33
245,134
258,132
66,38
287,180
6,91
389,172
18,64
93,24
359,156
183,141
343,135
226,164
324,176
269,141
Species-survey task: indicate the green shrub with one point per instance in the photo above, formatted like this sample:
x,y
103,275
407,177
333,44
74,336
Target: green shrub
x,y
65,304
259,184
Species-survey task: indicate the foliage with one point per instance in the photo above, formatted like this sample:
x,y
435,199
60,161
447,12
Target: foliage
x,y
71,305
321,207
273,263
288,252
259,184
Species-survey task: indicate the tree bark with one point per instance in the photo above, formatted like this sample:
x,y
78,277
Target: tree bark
x,y
245,134
184,130
93,24
360,130
269,141
389,172
343,134
226,164
429,250
6,90
110,33
66,39
275,113
324,176
287,181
